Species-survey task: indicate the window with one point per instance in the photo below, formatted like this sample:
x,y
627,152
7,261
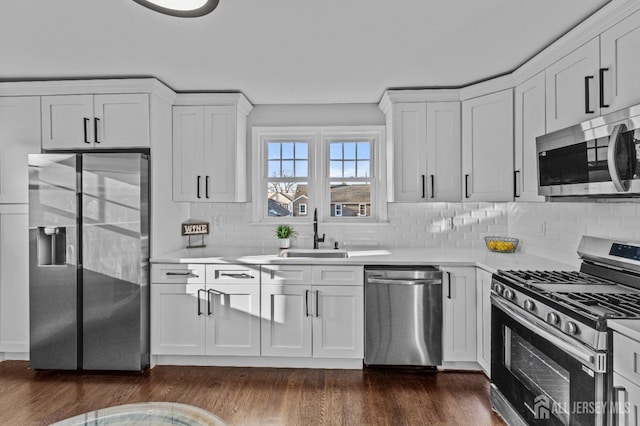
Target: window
x,y
287,173
340,171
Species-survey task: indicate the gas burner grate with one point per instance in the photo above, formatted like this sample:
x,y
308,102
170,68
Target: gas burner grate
x,y
607,305
552,277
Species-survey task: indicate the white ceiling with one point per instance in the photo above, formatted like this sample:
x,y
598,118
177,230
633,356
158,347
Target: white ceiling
x,y
284,51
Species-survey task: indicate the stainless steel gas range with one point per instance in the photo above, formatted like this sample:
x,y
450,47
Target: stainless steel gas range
x,y
550,346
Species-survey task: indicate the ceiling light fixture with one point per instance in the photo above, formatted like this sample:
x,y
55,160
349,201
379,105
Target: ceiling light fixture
x,y
181,8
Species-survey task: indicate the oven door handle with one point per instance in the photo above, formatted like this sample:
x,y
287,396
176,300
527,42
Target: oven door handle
x,y
596,361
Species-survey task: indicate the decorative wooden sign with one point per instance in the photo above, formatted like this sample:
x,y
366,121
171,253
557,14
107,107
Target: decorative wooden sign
x,y
192,228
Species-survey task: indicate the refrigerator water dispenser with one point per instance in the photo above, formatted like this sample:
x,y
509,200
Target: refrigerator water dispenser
x,y
52,245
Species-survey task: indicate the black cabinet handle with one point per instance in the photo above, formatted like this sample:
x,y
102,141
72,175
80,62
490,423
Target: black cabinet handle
x,y
96,120
449,282
198,186
423,187
209,307
199,310
206,186
306,303
602,104
317,303
433,187
515,184
86,121
586,95
466,186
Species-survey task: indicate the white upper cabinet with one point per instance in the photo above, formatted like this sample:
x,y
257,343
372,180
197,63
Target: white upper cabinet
x,y
209,152
425,140
572,87
487,147
95,121
597,78
619,61
19,136
529,124
443,151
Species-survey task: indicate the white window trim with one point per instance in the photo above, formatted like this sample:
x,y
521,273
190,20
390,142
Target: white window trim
x,y
337,210
301,207
360,207
319,170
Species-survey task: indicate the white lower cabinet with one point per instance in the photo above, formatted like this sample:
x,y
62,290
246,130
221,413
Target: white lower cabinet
x,y
301,319
459,340
627,399
218,317
177,322
483,323
626,380
14,279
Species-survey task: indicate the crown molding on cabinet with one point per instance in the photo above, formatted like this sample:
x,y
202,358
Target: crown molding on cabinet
x,y
417,95
593,26
226,98
89,86
486,87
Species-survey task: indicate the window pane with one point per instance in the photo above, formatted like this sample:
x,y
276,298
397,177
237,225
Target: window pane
x,y
302,151
287,150
364,150
335,169
335,151
273,149
285,198
287,169
350,150
349,169
350,198
302,168
363,169
274,168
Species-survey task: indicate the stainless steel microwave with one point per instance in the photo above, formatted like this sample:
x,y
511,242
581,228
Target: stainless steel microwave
x,y
596,158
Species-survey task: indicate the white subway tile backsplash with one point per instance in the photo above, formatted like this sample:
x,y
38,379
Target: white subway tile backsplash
x,y
545,229
554,229
409,225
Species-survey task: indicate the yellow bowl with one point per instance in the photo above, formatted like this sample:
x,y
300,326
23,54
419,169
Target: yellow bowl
x,y
501,244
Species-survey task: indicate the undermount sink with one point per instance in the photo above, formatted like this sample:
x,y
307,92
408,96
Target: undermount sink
x,y
316,253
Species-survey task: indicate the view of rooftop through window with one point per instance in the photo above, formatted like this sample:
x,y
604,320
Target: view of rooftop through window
x,y
349,181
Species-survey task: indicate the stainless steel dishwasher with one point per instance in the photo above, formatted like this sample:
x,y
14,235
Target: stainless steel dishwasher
x,y
403,316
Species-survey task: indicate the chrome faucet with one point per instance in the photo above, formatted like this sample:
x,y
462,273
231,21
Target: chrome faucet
x,y
316,239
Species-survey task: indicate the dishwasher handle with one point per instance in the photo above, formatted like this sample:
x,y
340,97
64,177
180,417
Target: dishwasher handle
x,y
390,281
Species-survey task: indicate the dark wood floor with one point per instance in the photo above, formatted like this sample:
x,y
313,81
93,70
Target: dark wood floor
x,y
255,396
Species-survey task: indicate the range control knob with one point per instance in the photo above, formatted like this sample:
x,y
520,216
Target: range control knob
x,y
508,294
572,328
498,288
529,305
552,318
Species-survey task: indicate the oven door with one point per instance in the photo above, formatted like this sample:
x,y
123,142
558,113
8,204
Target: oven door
x,y
547,379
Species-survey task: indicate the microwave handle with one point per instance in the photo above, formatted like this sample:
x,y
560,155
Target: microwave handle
x,y
611,158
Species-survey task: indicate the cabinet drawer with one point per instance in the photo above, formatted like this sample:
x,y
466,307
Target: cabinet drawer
x,y
626,357
286,274
338,275
242,274
177,273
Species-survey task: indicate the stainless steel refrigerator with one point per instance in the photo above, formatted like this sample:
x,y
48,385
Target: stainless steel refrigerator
x,y
89,261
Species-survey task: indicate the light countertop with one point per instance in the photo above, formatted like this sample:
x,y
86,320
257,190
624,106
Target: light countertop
x,y
482,258
628,327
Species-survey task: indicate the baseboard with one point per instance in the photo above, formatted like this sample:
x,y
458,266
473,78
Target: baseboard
x,y
273,362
